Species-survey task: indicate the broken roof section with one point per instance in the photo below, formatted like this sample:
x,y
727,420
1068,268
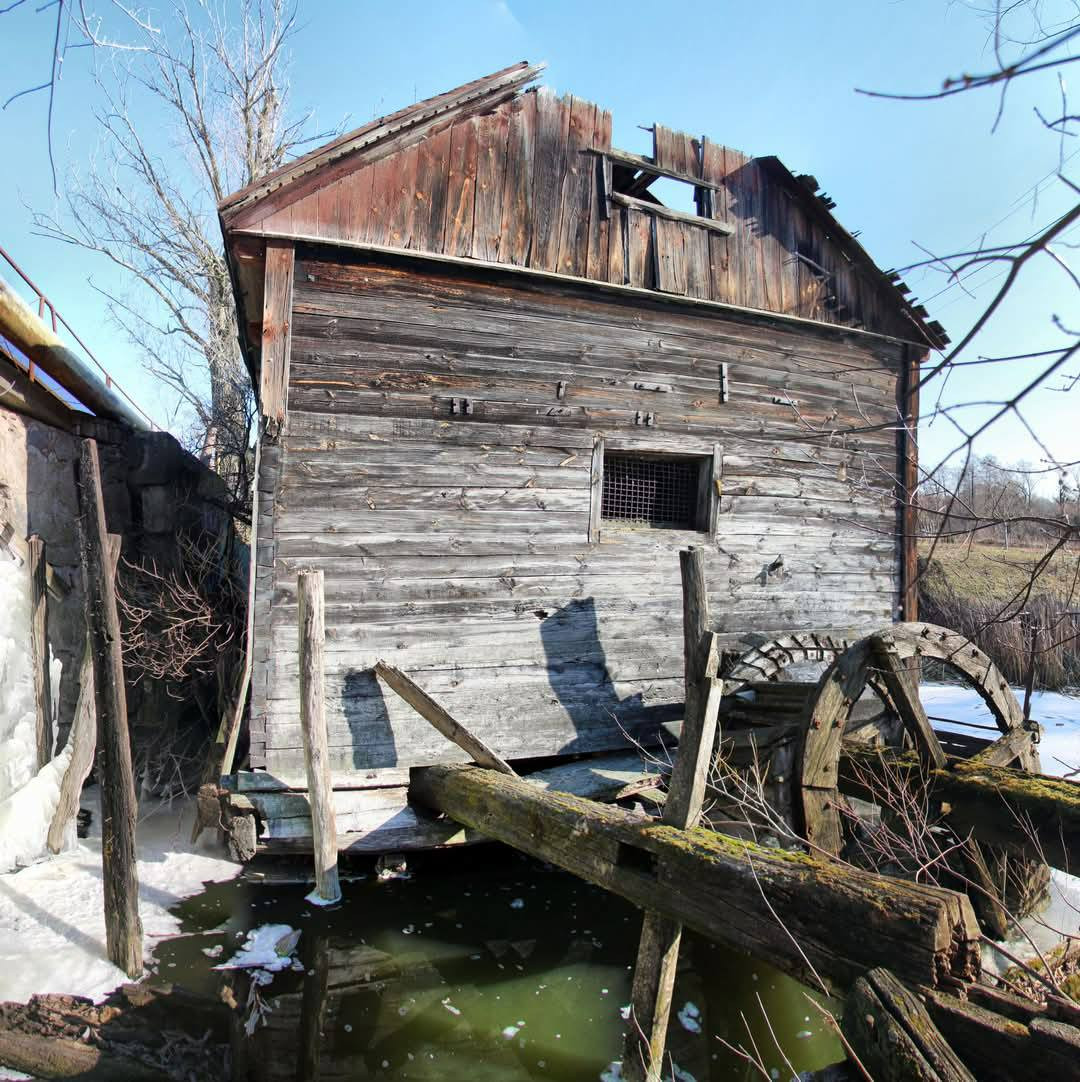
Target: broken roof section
x,y
488,174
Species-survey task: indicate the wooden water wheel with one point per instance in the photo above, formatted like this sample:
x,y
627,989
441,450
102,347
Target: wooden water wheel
x,y
996,882
879,661
836,707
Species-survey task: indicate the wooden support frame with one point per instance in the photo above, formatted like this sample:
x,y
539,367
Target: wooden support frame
x,y
82,737
431,711
658,210
836,919
647,165
276,333
18,550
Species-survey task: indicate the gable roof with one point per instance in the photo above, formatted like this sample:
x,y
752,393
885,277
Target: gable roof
x,y
531,182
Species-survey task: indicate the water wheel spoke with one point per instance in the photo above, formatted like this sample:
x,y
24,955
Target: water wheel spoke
x,y
905,698
1004,751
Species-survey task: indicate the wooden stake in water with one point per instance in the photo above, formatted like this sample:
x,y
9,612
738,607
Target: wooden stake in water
x,y
309,586
658,950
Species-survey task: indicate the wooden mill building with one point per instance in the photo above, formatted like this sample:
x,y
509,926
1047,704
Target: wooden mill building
x,y
507,370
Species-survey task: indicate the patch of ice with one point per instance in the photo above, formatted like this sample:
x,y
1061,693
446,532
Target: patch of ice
x,y
518,903
315,898
612,1073
690,1018
269,947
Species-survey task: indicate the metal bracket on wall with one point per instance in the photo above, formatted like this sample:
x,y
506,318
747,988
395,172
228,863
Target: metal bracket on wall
x,y
725,392
648,419
461,405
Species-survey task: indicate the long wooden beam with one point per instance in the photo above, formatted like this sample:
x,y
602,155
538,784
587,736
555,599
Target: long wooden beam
x,y
119,871
1031,813
805,915
39,649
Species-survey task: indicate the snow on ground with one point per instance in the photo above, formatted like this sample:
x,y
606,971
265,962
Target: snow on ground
x,y
52,923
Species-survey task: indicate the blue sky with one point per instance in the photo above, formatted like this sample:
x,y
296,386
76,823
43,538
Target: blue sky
x,y
775,78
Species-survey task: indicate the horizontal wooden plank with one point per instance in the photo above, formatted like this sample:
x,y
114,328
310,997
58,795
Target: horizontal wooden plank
x,y
355,284
660,211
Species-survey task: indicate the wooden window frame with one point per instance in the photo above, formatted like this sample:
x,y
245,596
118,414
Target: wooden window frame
x,y
703,190
710,480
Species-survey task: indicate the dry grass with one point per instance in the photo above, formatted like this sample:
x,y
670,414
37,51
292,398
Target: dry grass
x,y
981,590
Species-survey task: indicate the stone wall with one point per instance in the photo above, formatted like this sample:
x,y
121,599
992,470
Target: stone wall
x,y
155,494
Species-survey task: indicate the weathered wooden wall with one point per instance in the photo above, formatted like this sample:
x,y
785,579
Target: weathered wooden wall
x,y
457,546
522,184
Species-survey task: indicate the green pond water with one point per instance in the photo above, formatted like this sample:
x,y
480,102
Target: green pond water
x,y
485,964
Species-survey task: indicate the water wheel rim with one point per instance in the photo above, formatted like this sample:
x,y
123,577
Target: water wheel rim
x,y
829,709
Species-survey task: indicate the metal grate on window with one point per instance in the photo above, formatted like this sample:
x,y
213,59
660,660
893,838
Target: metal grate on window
x,y
651,490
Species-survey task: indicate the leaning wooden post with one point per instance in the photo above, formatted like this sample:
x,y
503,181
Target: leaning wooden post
x,y
39,648
82,737
123,928
658,951
309,587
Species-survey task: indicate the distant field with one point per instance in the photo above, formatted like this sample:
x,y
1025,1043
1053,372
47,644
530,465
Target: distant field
x,y
990,573
979,590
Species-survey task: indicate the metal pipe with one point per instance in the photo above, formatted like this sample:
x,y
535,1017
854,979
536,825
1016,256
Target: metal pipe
x,y
20,325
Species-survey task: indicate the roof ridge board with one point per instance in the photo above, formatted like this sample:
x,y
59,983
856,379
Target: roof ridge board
x,y
511,78
932,330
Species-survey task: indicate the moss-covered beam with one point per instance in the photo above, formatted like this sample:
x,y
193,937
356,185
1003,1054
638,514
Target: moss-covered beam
x,y
1034,814
801,913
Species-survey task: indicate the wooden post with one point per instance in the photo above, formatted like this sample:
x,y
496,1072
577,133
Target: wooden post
x,y
82,737
309,588
658,950
39,648
123,928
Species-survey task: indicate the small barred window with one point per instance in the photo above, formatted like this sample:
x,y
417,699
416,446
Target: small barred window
x,y
652,490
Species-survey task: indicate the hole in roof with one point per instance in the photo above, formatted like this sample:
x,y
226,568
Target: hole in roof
x,y
674,194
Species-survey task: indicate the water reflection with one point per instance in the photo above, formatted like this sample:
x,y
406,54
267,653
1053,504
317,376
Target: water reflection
x,y
485,965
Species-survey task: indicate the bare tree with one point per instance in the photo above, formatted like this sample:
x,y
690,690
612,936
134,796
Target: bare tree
x,y
191,110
